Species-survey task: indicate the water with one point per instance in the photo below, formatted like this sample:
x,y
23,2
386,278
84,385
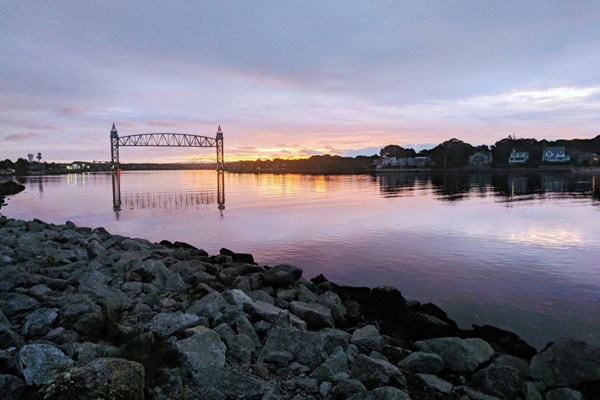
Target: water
x,y
520,251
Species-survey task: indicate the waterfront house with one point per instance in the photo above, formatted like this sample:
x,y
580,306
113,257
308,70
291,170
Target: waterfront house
x,y
584,157
420,162
517,157
392,162
555,154
480,158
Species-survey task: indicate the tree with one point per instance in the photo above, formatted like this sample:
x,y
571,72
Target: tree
x,y
453,153
393,150
22,166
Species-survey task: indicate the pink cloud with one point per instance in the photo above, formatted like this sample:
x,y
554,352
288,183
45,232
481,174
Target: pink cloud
x,y
18,137
71,111
44,127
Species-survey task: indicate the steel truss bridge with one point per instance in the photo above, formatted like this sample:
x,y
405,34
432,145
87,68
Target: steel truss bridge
x,y
165,140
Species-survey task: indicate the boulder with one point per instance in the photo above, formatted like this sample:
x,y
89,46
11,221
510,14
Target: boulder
x,y
239,348
11,387
168,324
268,312
38,363
368,337
348,387
334,364
567,363
334,303
419,362
209,306
530,391
202,350
473,394
305,294
231,383
104,378
12,304
431,383
460,355
382,393
316,315
373,373
564,394
282,275
39,322
500,381
236,297
427,326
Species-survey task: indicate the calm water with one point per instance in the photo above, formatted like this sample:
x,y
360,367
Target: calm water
x,y
518,251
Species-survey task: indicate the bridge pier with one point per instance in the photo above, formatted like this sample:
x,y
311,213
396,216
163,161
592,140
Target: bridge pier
x,y
114,149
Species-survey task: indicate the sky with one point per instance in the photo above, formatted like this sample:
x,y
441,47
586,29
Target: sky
x,y
293,78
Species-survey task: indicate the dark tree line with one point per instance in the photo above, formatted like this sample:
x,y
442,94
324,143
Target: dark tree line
x,y
20,167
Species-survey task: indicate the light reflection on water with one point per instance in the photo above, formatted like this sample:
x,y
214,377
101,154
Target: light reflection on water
x,y
520,251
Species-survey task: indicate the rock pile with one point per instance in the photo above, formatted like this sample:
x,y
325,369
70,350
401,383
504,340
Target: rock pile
x,y
86,315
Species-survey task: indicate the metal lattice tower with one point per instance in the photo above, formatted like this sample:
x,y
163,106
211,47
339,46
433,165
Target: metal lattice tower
x,y
165,140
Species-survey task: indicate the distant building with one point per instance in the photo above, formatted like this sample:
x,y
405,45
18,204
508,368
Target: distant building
x,y
30,157
517,157
555,154
420,162
584,157
392,162
480,158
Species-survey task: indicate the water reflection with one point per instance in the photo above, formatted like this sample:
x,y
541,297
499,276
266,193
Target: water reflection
x,y
165,200
506,186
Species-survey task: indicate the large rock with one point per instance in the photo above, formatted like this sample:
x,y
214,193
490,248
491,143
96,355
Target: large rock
x,y
316,315
282,275
105,295
348,387
431,383
236,297
11,387
564,394
332,301
104,378
460,355
382,393
567,363
39,322
368,337
500,381
425,363
209,306
373,373
12,304
38,363
204,349
168,324
259,310
230,383
336,363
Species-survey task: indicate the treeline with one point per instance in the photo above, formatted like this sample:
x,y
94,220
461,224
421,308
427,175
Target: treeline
x,y
21,166
453,153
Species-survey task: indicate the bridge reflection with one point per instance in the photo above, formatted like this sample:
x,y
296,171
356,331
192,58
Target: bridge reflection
x,y
166,200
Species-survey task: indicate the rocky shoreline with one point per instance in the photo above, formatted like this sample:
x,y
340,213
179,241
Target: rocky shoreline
x,y
89,315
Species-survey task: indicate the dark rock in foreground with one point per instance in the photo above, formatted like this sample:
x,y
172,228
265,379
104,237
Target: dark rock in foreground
x,y
87,315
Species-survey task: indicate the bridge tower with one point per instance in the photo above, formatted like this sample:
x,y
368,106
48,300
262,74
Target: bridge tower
x,y
114,149
220,150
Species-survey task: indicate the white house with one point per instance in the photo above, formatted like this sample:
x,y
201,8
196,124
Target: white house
x,y
518,157
480,158
420,162
555,154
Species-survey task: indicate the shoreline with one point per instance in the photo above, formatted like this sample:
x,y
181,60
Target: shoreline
x,y
82,294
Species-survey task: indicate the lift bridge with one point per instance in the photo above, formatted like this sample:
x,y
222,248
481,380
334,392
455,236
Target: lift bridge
x,y
165,140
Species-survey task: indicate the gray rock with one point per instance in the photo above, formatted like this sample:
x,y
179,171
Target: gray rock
x,y
564,394
38,363
39,322
419,362
261,295
222,330
168,324
432,383
282,275
305,294
12,304
316,315
334,364
269,313
348,387
123,379
567,363
460,355
244,327
239,348
202,350
500,381
104,294
473,394
382,393
236,297
231,383
368,337
325,388
175,284
334,303
504,360
278,357
11,387
209,306
373,373
530,391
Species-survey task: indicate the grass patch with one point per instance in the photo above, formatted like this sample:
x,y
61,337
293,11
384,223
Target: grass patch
x,y
106,326
48,262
